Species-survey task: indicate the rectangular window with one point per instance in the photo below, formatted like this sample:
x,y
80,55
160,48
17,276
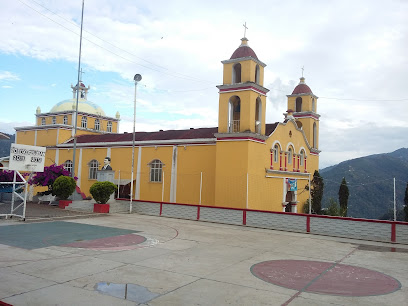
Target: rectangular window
x,y
65,119
109,127
54,120
84,122
42,121
97,124
156,168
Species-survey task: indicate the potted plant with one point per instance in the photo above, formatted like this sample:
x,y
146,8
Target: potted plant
x,y
101,192
63,187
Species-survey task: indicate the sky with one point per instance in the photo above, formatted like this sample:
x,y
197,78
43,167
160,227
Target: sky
x,y
353,54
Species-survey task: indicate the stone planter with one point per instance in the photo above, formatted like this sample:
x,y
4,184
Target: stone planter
x,y
101,208
63,203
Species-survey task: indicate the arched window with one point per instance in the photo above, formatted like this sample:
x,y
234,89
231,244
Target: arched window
x,y
302,157
290,155
257,74
84,122
313,105
93,167
236,73
68,165
314,135
234,114
54,120
97,124
109,127
258,116
156,168
298,104
65,119
43,121
299,124
276,153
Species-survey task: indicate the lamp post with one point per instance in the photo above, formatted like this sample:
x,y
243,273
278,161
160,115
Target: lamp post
x,y
137,78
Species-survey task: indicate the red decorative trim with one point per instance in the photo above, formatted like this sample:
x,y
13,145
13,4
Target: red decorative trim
x,y
198,212
271,160
242,88
294,163
280,161
393,233
305,165
308,224
286,161
241,138
244,217
298,167
80,192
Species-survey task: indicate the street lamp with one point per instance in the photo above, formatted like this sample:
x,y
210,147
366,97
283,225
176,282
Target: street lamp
x,y
137,78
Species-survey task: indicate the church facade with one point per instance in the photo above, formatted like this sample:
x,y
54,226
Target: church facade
x,y
242,163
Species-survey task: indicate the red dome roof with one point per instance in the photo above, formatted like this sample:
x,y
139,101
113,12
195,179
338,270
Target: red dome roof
x,y
243,50
302,88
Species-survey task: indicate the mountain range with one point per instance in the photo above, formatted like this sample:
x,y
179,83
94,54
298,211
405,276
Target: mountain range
x,y
370,180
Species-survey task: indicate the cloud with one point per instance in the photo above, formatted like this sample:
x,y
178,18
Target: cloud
x,y
6,86
8,76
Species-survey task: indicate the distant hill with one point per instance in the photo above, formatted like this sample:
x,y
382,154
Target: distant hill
x,y
370,182
5,145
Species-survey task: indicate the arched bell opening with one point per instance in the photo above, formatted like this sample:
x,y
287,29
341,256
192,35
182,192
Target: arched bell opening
x,y
234,114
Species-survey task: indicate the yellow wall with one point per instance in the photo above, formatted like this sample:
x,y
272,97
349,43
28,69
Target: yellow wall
x,y
247,72
192,160
25,137
247,112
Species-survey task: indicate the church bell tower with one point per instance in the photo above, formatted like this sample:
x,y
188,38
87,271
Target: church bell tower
x,y
303,103
242,97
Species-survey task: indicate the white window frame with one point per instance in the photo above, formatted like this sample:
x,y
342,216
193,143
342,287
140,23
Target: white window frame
x,y
54,120
290,155
68,165
42,121
109,127
156,171
65,120
84,122
276,153
93,168
97,125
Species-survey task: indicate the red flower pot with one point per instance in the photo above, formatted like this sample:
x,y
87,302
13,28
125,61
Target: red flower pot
x,y
63,203
101,208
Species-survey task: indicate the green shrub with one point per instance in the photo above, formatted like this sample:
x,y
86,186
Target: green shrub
x,y
63,187
101,191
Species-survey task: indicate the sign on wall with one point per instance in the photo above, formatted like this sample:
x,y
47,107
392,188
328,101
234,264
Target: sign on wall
x,y
27,158
292,185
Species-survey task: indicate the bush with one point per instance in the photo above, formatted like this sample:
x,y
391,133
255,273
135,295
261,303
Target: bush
x,y
101,191
63,187
48,177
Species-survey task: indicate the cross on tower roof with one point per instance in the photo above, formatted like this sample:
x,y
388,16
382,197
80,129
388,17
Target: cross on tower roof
x,y
303,69
245,28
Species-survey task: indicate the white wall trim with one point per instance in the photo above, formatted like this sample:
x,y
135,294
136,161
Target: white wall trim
x,y
138,171
173,182
57,156
79,168
35,137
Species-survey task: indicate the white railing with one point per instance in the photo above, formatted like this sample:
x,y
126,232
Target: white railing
x,y
234,126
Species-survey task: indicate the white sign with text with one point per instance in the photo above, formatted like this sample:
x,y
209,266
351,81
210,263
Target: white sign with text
x,y
27,158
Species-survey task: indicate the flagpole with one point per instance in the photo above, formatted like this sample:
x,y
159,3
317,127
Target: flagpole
x,y
77,95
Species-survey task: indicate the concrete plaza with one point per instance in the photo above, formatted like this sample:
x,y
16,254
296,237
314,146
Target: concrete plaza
x,y
176,262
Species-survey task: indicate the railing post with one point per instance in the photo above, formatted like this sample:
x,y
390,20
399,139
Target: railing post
x,y
393,233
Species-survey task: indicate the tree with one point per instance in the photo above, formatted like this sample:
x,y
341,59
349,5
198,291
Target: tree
x,y
406,204
343,197
48,177
317,192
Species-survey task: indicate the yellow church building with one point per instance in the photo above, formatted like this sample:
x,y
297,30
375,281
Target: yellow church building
x,y
242,163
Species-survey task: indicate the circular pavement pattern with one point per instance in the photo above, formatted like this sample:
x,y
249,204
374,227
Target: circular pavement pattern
x,y
122,242
325,277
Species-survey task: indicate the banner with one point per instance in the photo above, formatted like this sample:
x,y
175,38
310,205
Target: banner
x,y
292,185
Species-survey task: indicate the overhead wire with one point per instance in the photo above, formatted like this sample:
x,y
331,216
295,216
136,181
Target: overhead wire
x,y
174,74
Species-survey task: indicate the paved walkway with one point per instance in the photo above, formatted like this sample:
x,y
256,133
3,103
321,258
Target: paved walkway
x,y
163,261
